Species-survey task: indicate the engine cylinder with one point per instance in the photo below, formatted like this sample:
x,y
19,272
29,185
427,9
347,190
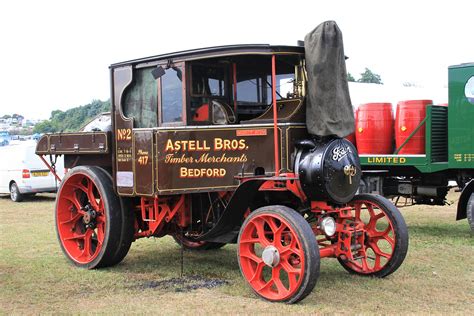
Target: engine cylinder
x,y
329,169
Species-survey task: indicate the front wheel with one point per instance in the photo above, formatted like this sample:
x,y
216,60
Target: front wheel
x,y
278,254
376,241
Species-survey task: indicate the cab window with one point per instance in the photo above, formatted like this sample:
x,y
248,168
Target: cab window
x,y
140,99
172,95
209,84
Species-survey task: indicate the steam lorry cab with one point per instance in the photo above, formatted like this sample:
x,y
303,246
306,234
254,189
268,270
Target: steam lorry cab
x,y
211,146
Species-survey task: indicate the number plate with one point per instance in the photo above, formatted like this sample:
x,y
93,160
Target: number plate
x,y
40,173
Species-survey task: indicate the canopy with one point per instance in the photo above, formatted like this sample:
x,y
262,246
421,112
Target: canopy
x,y
328,104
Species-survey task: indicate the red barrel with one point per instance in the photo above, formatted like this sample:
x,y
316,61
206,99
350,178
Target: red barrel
x,y
374,128
409,116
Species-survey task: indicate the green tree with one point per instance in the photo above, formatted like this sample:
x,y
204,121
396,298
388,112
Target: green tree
x,y
369,77
45,127
350,78
73,119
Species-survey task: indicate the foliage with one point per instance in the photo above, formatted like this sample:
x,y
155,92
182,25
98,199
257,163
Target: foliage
x,y
350,77
73,119
370,77
6,116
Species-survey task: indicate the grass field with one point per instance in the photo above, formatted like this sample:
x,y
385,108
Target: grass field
x,y
437,276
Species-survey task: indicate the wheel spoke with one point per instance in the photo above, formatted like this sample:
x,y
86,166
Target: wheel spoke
x,y
86,252
100,218
251,256
289,268
377,261
378,251
365,266
91,196
357,208
79,186
272,224
382,234
282,290
292,248
73,219
249,240
100,233
278,236
259,226
373,220
75,237
258,272
265,286
73,199
370,209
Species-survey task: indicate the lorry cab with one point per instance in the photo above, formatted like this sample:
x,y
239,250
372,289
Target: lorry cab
x,y
205,107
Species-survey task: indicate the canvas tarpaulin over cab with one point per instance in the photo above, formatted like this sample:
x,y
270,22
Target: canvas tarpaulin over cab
x,y
328,104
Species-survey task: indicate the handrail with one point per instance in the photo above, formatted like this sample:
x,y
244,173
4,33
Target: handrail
x,y
275,118
411,135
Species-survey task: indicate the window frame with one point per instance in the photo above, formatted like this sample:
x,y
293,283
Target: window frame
x,y
226,89
169,65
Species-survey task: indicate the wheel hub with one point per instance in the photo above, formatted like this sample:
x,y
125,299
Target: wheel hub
x,y
271,256
89,217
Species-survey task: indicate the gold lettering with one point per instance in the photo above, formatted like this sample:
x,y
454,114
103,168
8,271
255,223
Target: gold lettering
x,y
169,145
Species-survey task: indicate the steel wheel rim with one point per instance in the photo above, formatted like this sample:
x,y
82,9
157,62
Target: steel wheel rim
x,y
284,279
378,240
13,192
81,234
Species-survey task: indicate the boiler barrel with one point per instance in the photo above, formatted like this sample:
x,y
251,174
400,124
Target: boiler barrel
x,y
374,128
409,115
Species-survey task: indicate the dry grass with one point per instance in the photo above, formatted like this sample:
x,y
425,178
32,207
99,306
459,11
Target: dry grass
x,y
437,276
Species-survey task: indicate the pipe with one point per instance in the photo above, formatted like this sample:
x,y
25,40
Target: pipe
x,y
275,118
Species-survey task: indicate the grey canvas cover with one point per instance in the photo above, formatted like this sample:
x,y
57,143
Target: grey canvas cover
x,y
328,103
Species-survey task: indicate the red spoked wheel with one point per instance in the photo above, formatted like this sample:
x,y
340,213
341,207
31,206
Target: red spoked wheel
x,y
375,239
278,254
89,218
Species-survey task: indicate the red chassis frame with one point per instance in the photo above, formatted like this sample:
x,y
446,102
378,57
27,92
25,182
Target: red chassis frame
x,y
156,212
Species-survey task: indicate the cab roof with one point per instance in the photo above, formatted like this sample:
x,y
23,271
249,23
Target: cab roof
x,y
216,51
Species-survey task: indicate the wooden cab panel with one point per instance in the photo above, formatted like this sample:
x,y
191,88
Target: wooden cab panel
x,y
209,158
143,161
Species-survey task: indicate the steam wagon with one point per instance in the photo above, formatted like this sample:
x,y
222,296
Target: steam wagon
x,y
211,147
434,144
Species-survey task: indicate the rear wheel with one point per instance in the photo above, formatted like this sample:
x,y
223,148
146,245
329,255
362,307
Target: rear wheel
x,y
128,229
15,194
278,254
89,218
380,243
